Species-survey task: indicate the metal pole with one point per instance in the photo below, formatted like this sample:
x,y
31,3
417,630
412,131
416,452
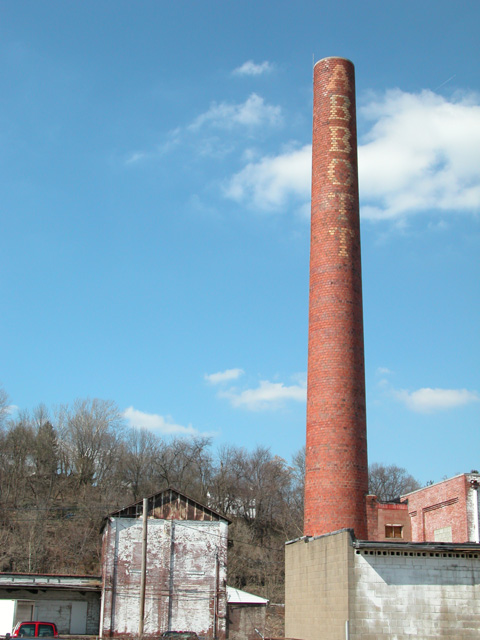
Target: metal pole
x,y
144,568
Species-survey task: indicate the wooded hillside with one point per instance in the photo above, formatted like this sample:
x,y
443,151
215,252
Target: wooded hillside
x,y
61,472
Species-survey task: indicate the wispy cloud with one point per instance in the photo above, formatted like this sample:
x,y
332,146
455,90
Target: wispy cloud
x,y
249,68
383,371
223,376
215,132
422,152
163,425
251,113
431,400
268,395
135,156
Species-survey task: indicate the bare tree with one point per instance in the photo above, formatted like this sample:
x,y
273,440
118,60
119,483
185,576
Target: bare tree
x,y
185,463
389,482
3,406
90,433
140,452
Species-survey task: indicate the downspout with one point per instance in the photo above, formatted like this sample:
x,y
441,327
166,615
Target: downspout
x,y
143,572
215,598
476,533
115,577
170,579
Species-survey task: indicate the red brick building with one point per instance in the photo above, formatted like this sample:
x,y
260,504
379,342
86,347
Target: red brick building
x,y
388,520
446,511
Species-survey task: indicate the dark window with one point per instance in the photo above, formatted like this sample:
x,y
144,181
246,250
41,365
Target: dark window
x,y
27,630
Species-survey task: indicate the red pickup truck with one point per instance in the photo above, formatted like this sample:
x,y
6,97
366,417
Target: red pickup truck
x,y
35,629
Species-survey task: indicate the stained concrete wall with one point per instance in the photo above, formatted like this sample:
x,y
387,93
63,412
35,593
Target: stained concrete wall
x,y
404,594
391,591
185,583
243,620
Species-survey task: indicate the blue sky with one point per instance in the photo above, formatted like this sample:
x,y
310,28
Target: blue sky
x,y
154,198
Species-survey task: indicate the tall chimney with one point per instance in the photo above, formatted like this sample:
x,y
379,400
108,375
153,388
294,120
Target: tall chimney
x,y
336,479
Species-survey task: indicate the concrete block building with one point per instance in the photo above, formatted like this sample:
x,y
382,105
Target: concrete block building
x,y
341,588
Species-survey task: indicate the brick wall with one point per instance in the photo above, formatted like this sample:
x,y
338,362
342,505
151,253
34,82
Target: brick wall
x,y
383,514
444,511
336,481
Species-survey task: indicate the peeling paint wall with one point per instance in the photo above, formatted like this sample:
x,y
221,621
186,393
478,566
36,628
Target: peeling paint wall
x,y
185,582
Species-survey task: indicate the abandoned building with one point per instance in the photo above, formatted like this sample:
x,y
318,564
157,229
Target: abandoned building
x,y
185,579
363,570
185,565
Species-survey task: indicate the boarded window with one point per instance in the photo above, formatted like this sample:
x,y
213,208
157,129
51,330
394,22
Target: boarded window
x,y
393,531
443,535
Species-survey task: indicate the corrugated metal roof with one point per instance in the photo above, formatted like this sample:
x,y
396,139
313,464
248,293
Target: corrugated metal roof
x,y
237,596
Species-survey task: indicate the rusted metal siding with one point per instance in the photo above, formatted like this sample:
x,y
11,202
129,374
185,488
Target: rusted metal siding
x,y
186,575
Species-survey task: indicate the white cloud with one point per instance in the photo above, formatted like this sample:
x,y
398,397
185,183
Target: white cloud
x,y
422,152
251,113
268,395
270,182
157,423
430,400
249,68
223,376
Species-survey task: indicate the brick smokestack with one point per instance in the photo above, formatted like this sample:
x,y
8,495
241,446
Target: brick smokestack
x,y
336,479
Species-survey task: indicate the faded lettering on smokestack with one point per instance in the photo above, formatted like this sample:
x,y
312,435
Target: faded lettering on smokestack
x,y
336,480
